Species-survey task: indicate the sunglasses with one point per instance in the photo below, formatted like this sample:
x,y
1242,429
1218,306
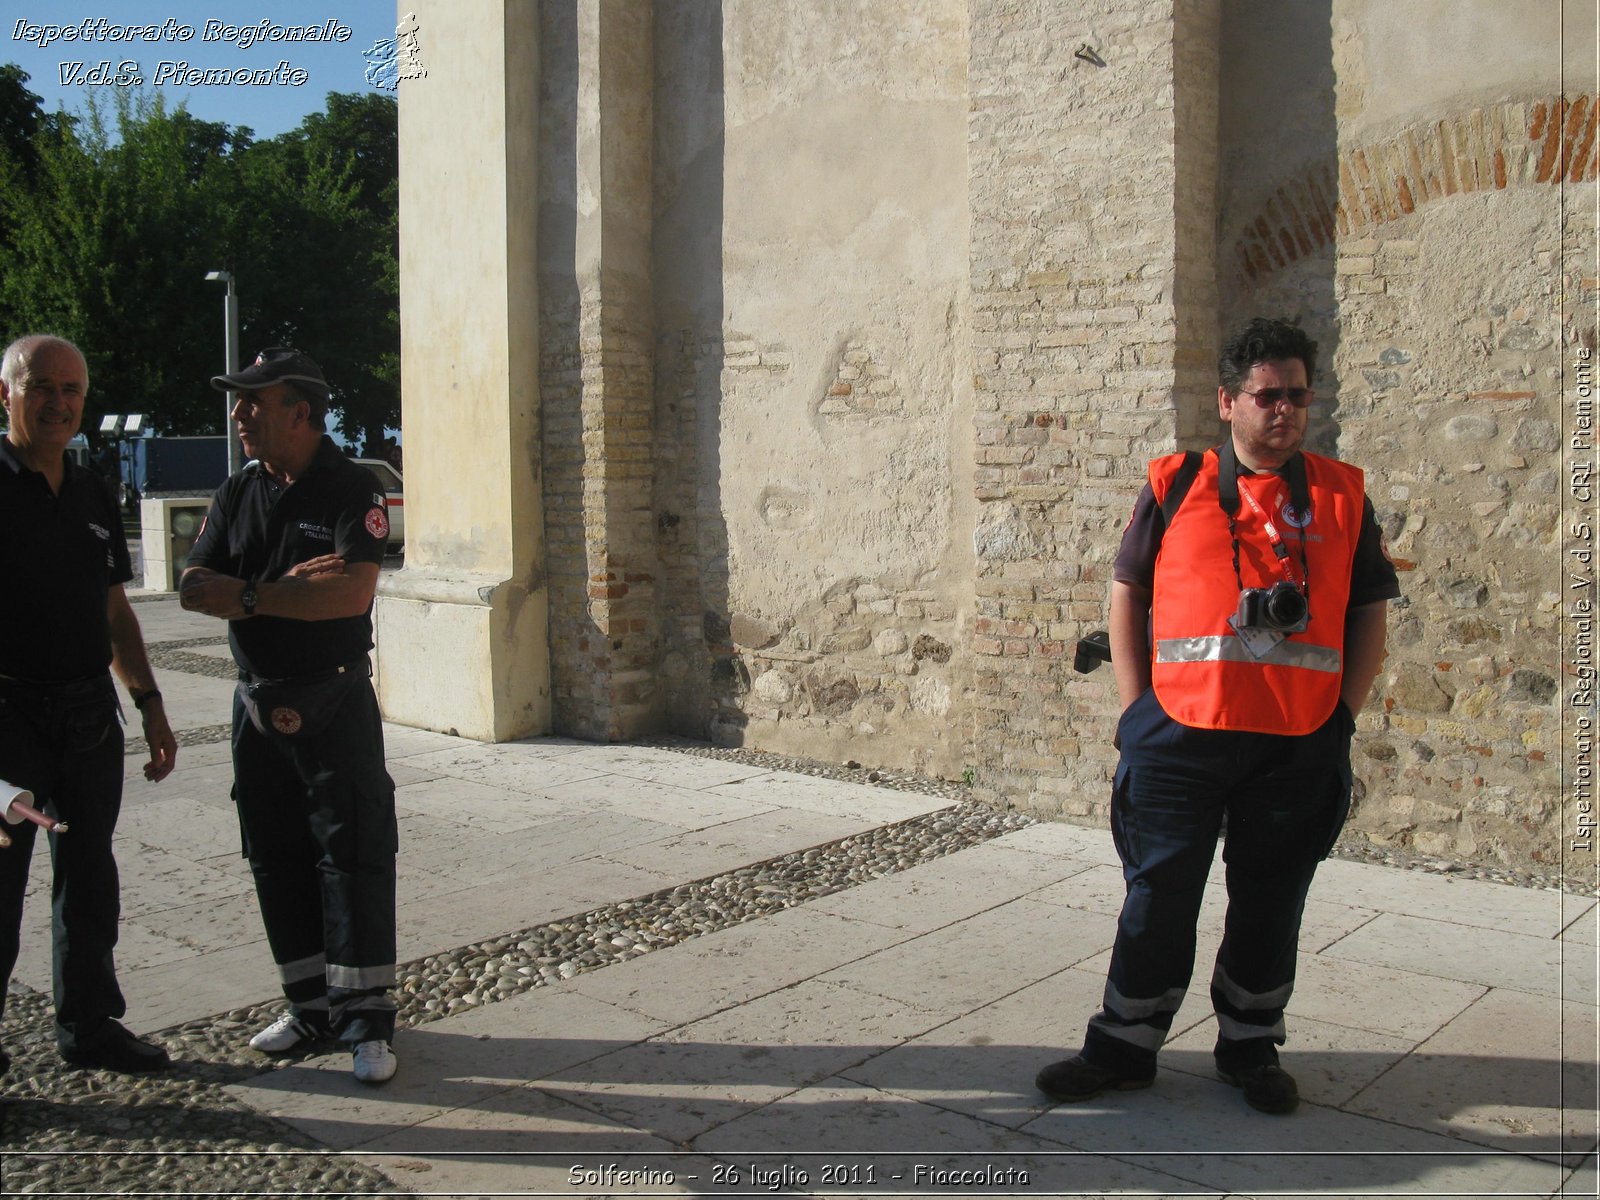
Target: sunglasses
x,y
1272,397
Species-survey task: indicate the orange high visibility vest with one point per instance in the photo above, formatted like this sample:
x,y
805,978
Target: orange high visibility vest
x,y
1204,675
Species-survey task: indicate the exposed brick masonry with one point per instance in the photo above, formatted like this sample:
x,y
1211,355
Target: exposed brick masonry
x,y
1518,144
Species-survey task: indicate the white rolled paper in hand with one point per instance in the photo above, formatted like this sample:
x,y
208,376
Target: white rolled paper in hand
x,y
19,808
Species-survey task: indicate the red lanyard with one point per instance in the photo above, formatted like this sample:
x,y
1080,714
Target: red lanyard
x,y
1273,536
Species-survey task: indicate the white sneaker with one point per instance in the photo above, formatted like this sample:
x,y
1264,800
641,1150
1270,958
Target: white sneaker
x,y
375,1062
287,1032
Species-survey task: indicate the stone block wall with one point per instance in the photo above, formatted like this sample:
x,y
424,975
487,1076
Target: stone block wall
x,y
1434,244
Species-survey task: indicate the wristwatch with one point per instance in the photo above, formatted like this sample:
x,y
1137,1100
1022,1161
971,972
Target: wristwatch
x,y
248,599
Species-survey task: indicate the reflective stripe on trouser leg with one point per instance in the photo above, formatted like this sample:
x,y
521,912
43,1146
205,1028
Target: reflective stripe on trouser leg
x,y
1282,820
360,1005
305,983
1242,1014
1141,1023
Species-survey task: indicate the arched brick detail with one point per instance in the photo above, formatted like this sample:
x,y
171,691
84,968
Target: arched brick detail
x,y
1517,144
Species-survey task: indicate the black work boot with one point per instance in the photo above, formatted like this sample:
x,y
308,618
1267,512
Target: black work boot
x,y
1076,1078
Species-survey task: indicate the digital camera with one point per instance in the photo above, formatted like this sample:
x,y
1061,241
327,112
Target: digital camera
x,y
1282,607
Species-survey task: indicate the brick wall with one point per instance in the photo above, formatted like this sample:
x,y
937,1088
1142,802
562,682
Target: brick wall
x,y
597,368
1081,252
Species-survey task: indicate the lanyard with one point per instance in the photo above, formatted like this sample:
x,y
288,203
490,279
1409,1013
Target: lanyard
x,y
1228,491
1279,550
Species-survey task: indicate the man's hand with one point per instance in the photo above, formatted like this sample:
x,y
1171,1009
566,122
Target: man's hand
x,y
216,595
159,738
327,564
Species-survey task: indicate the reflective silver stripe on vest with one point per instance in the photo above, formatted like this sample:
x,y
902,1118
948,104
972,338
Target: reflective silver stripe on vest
x,y
1228,648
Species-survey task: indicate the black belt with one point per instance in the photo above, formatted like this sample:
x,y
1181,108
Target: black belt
x,y
362,664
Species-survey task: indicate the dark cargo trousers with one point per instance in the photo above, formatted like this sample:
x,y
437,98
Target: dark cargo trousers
x,y
316,812
64,742
1284,800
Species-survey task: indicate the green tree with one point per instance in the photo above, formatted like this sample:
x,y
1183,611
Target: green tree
x,y
110,221
320,255
21,114
107,246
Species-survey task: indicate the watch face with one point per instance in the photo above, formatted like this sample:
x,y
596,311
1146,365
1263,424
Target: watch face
x,y
247,600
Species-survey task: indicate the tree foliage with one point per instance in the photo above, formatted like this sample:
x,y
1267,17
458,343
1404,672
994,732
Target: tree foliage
x,y
110,221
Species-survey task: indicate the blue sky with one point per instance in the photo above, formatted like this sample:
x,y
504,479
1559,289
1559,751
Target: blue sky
x,y
268,108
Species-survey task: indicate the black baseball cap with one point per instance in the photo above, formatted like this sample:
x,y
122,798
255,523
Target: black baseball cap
x,y
275,364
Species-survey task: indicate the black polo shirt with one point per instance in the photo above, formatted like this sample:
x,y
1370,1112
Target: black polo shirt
x,y
257,530
60,555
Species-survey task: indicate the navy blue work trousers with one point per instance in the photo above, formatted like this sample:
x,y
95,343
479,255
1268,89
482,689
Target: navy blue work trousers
x,y
63,742
316,811
1284,800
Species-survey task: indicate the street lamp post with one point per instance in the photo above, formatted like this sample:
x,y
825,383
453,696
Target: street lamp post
x,y
230,317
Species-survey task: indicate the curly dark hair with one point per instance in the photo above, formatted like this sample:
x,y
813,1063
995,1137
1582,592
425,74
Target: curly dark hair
x,y
1265,339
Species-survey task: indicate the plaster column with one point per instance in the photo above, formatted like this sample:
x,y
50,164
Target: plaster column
x,y
462,630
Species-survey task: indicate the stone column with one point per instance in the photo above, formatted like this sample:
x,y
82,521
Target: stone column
x,y
462,631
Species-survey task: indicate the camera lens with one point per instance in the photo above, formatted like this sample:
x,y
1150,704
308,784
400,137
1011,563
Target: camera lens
x,y
1285,606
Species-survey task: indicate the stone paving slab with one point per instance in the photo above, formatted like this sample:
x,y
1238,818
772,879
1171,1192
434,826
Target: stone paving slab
x,y
684,803
1530,911
1200,1129
935,894
171,992
531,1142
1540,1102
660,766
190,701
864,1131
483,767
732,844
1470,954
1584,930
973,962
1068,841
982,1064
732,966
1099,888
1378,998
710,1072
831,797
1584,1181
474,914
1331,1063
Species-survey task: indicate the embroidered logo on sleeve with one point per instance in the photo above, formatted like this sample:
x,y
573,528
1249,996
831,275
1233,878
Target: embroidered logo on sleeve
x,y
378,523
